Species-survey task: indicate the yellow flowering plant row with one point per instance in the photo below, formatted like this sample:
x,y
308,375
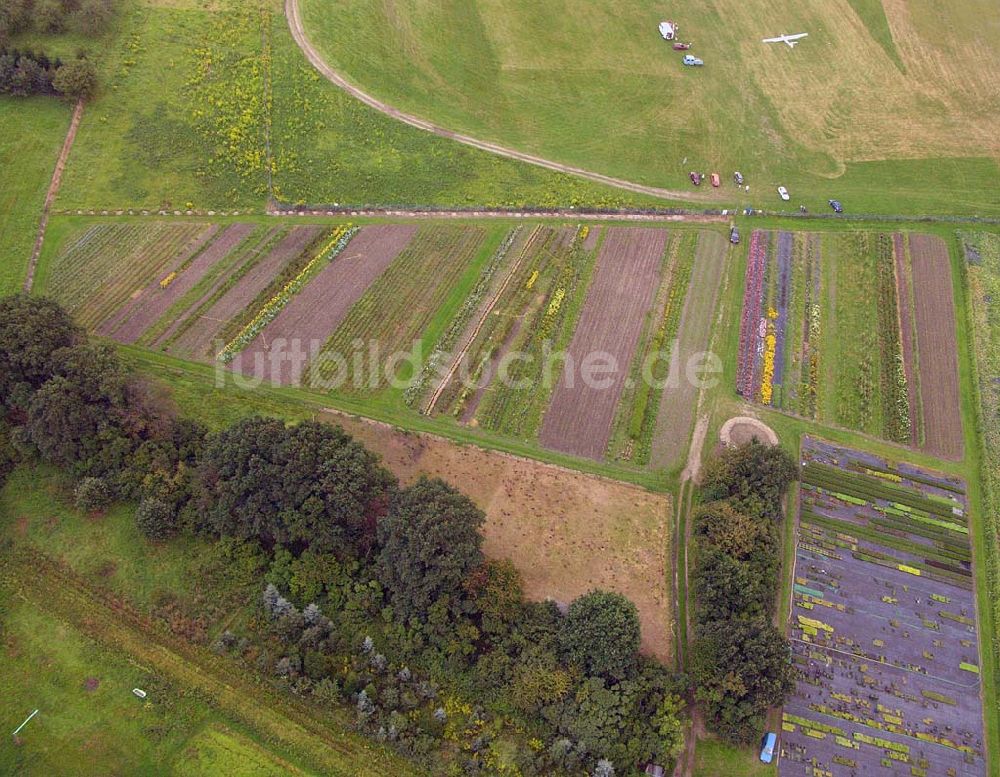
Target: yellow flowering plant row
x,y
168,280
531,280
768,373
556,302
341,237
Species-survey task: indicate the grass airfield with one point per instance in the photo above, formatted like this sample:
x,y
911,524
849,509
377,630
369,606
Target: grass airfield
x,y
891,110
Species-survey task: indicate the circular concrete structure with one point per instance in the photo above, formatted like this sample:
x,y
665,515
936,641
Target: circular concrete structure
x,y
741,429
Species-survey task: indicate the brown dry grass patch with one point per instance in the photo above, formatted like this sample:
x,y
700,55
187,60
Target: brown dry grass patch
x,y
565,531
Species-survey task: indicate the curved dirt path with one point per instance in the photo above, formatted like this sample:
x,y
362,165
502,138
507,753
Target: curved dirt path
x,y
50,195
317,61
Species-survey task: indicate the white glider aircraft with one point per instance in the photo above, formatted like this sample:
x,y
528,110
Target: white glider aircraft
x,y
791,40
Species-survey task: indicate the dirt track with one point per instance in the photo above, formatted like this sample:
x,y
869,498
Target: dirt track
x,y
50,195
317,61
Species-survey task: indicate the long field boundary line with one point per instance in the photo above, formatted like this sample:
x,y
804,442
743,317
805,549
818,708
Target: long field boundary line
x,y
317,61
456,362
50,195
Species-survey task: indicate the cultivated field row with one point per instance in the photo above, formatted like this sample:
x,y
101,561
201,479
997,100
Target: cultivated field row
x,y
883,623
275,301
855,329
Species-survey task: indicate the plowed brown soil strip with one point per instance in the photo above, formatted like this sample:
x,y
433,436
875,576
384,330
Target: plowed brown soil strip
x,y
196,341
936,346
580,416
156,300
318,309
566,532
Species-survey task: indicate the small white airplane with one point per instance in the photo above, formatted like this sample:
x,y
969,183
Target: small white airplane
x,y
791,40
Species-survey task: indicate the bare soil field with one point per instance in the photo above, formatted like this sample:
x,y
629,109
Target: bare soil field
x,y
566,532
934,309
317,310
579,417
680,396
196,342
156,300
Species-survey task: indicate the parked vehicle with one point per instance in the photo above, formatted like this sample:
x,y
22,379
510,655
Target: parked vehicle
x,y
734,236
681,46
668,30
783,193
716,181
837,207
692,61
696,177
767,748
738,177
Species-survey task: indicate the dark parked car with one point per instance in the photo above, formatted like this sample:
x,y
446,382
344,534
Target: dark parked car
x,y
734,235
696,178
738,177
837,207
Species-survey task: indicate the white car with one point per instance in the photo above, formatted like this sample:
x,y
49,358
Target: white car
x,y
783,193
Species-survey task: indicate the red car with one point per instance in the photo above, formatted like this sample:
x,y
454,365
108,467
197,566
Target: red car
x,y
716,181
681,46
696,178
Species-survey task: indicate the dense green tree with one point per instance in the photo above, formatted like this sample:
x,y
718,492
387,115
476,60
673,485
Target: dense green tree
x,y
32,329
632,721
155,519
76,79
754,471
430,544
309,485
741,668
498,596
75,419
726,588
601,634
92,494
8,452
742,536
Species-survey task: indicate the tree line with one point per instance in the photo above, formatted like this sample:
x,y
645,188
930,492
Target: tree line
x,y
740,662
368,593
25,73
89,18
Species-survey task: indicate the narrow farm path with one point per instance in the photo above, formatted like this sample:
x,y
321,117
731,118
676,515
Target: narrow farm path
x,y
50,195
685,502
317,61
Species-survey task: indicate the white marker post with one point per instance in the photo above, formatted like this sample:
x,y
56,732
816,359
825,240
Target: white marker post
x,y
16,730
